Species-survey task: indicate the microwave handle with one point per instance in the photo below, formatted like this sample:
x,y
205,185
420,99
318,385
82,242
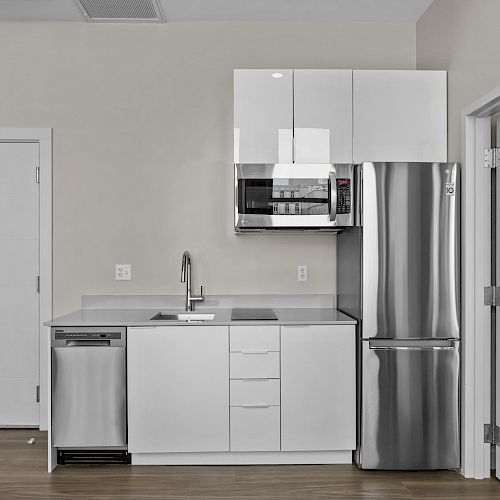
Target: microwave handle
x,y
333,196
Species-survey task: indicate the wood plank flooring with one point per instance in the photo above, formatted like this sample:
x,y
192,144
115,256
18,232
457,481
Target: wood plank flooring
x,y
23,475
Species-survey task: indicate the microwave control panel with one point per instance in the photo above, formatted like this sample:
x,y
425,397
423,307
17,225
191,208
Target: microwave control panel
x,y
343,196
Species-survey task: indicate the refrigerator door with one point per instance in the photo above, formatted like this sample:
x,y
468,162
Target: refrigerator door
x,y
410,256
410,398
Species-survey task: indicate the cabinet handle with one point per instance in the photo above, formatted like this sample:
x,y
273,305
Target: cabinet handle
x,y
254,352
254,406
255,379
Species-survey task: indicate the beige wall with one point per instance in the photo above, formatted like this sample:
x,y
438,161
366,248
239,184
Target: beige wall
x,y
461,36
142,119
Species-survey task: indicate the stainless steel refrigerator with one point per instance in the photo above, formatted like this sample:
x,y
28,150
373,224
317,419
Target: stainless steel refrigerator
x,y
398,274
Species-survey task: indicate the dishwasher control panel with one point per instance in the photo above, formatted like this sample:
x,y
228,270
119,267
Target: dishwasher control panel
x,y
93,335
88,335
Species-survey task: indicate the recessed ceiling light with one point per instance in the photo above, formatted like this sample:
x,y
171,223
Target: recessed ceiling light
x,y
277,75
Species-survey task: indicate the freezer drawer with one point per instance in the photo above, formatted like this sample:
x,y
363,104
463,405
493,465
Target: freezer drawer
x,y
410,405
88,397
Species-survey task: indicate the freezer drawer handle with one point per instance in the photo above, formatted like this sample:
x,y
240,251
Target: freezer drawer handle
x,y
254,406
412,348
87,343
402,345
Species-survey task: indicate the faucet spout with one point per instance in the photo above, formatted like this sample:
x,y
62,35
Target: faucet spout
x,y
186,258
186,278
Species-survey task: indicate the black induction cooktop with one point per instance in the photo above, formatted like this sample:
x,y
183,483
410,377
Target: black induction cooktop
x,y
253,315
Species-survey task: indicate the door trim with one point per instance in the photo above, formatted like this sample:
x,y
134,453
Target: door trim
x,y
476,373
42,136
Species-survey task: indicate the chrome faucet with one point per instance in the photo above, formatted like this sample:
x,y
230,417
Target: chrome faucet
x,y
186,278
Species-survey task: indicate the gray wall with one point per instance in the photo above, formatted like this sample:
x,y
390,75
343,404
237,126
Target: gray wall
x,y
142,119
461,36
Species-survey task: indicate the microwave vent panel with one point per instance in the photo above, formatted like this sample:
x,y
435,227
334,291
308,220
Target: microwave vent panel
x,y
121,11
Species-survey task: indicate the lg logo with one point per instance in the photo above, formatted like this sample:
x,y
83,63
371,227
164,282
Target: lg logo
x,y
450,189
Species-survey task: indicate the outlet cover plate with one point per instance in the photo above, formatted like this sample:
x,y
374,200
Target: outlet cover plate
x,y
301,273
123,272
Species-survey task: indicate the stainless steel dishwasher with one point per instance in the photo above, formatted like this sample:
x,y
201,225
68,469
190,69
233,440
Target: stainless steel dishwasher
x,y
89,406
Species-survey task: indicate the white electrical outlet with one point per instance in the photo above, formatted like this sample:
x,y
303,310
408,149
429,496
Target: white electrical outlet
x,y
301,273
123,272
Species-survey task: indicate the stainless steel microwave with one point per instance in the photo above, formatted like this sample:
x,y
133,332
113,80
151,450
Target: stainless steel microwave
x,y
293,196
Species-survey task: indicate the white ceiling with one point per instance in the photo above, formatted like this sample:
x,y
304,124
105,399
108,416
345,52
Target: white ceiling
x,y
383,11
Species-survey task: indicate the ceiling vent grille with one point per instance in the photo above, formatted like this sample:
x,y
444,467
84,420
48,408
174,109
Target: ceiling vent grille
x,y
121,11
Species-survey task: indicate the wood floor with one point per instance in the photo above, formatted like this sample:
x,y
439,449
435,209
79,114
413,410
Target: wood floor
x,y
23,474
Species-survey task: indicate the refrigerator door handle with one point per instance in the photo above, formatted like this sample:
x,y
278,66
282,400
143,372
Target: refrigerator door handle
x,y
412,345
333,196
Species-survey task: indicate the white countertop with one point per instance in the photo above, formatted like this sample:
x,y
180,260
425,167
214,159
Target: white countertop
x,y
141,317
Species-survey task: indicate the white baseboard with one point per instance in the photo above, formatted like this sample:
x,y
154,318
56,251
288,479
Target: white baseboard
x,y
244,458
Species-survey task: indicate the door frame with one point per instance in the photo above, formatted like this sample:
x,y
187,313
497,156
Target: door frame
x,y
476,251
42,136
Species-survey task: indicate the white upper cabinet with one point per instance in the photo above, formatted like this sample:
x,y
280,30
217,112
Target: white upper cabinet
x,y
323,116
400,116
263,116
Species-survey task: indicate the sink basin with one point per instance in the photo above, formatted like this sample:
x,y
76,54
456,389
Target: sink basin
x,y
183,317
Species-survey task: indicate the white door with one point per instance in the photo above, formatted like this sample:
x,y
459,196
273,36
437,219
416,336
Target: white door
x,y
19,299
263,116
322,115
400,116
318,387
178,389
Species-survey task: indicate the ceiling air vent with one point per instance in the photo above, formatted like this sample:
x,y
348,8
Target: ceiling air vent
x,y
121,11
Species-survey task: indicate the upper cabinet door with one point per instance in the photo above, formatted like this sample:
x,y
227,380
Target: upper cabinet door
x,y
400,116
263,116
323,115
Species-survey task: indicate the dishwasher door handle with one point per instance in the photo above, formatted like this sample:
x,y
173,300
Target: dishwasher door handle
x,y
87,343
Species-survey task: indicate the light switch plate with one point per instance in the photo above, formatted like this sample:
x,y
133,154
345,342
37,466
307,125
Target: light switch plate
x,y
301,273
123,272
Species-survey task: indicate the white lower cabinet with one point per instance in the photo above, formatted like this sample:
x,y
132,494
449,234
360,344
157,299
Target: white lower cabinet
x,y
178,389
318,388
255,388
255,428
242,389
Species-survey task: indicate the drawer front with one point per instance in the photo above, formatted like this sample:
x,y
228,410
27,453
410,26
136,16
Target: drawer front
x,y
258,365
255,392
248,338
255,429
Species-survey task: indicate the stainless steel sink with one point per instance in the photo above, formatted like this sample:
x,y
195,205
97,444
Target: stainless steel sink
x,y
183,317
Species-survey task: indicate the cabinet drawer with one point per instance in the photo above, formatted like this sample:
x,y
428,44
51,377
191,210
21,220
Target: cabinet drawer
x,y
254,392
264,364
255,429
248,338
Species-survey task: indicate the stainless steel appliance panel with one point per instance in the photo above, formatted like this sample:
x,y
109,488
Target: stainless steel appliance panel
x,y
410,398
274,196
410,259
88,392
349,271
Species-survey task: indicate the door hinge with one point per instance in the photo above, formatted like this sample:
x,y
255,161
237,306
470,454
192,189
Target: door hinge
x,y
37,393
491,434
492,158
37,174
492,296
38,284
